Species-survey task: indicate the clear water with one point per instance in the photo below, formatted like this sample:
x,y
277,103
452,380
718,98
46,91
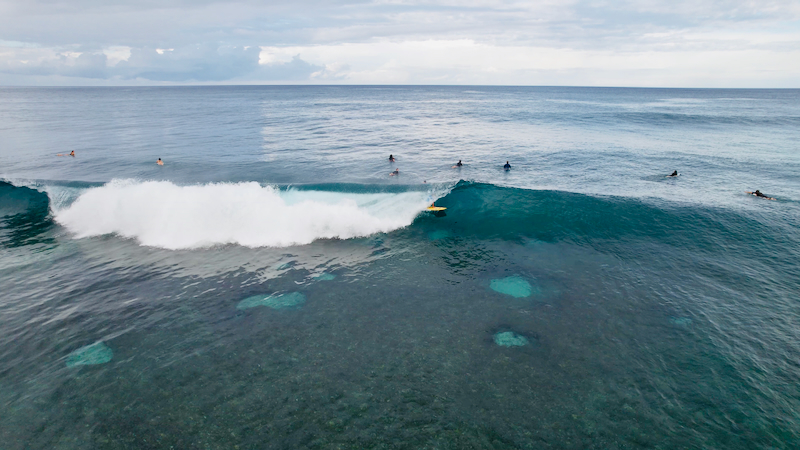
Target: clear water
x,y
662,313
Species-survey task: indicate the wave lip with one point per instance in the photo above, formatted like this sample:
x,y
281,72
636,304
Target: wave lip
x,y
162,214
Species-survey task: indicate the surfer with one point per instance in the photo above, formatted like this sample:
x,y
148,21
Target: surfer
x,y
507,166
758,193
674,174
458,164
391,158
72,153
160,162
396,172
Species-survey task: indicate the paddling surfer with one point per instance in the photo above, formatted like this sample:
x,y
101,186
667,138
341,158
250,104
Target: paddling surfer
x,y
507,166
674,174
758,193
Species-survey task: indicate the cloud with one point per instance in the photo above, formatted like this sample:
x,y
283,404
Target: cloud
x,y
294,70
469,62
192,63
200,63
37,61
404,41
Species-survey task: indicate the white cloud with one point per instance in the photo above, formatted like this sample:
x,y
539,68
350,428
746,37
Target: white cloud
x,y
468,62
116,54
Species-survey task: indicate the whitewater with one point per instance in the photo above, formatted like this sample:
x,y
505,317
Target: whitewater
x,y
162,214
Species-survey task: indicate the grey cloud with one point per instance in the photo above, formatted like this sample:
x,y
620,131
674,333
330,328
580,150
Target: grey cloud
x,y
195,63
199,63
294,70
204,63
87,65
580,23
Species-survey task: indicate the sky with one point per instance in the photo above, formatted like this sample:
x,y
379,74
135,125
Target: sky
x,y
646,43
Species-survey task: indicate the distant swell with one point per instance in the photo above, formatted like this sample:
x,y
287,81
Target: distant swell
x,y
162,214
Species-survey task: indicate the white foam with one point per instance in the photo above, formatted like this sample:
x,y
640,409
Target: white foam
x,y
162,214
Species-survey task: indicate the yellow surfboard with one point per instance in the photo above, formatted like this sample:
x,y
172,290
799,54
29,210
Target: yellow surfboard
x,y
436,208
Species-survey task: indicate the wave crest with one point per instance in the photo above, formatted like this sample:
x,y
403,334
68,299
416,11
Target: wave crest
x,y
162,214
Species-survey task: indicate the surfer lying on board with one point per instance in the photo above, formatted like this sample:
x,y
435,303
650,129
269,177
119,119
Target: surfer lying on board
x,y
758,193
507,166
391,158
396,172
674,174
72,153
458,164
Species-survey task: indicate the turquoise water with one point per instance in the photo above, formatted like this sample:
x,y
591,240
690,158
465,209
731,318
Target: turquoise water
x,y
97,353
514,286
274,301
271,286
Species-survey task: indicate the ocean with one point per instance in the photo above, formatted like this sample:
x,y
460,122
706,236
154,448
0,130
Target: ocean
x,y
271,286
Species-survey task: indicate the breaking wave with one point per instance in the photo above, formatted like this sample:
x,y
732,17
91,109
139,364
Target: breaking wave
x,y
166,215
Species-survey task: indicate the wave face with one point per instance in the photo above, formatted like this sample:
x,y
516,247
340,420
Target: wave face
x,y
623,226
494,211
162,214
24,215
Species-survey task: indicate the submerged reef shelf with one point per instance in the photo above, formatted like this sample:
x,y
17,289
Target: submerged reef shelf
x,y
280,301
514,286
97,353
510,339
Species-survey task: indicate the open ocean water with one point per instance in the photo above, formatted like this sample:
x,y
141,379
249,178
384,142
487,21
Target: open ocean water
x,y
272,287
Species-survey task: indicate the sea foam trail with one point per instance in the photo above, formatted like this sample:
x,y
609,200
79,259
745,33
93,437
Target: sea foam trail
x,y
162,214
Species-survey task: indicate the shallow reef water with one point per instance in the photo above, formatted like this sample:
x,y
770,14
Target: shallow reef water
x,y
280,301
514,286
97,353
510,339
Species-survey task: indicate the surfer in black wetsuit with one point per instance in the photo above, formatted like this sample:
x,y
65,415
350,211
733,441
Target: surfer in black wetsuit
x,y
507,166
391,158
396,172
758,193
674,174
458,164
